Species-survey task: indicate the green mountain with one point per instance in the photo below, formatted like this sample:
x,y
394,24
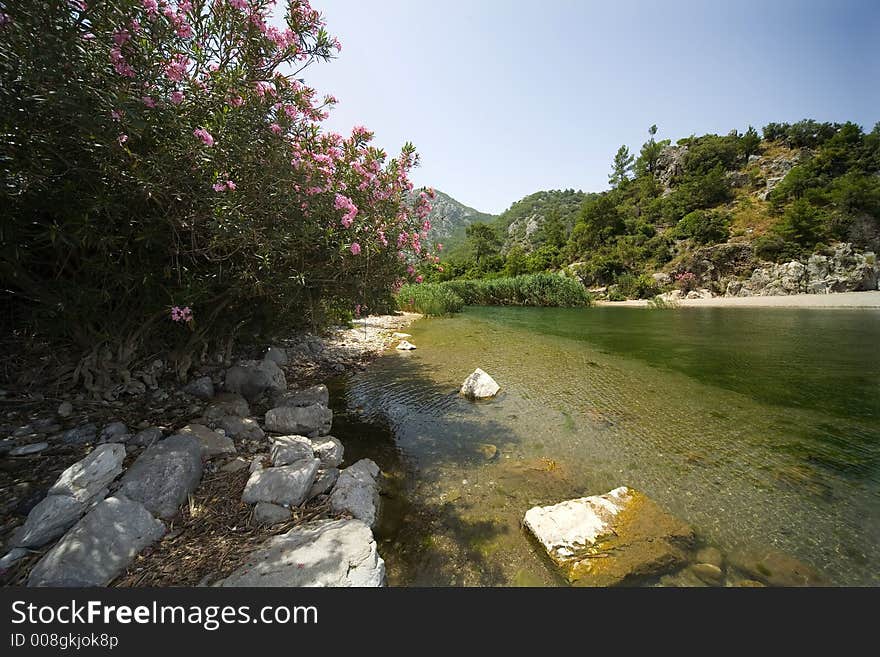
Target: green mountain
x,y
716,208
449,218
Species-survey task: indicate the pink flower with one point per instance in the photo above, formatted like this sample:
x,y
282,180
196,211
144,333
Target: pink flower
x,y
277,129
181,314
204,135
230,185
219,186
355,248
419,278
236,101
176,97
151,6
116,114
122,139
239,4
175,70
120,37
149,102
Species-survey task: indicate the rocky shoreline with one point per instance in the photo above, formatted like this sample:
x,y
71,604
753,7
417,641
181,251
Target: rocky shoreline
x,y
222,481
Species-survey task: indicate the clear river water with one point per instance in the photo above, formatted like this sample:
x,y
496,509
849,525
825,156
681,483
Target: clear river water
x,y
759,427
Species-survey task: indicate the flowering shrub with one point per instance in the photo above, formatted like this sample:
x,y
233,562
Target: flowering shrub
x,y
686,281
160,155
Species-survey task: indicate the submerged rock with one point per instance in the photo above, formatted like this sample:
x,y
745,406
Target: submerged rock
x,y
323,553
99,546
610,539
479,385
775,568
405,346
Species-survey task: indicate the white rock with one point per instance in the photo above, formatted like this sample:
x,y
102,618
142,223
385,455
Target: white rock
x,y
288,485
479,385
289,449
400,336
329,450
565,527
322,553
406,346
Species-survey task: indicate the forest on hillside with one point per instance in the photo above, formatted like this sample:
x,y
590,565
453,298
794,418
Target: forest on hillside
x,y
784,193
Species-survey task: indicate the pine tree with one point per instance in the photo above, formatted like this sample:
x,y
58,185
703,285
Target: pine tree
x,y
622,167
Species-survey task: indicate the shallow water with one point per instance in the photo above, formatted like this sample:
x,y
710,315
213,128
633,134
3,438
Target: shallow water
x,y
760,427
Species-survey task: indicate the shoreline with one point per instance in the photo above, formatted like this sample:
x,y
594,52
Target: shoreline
x,y
202,530
870,299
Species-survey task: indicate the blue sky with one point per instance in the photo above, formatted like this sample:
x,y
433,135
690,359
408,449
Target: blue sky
x,y
503,99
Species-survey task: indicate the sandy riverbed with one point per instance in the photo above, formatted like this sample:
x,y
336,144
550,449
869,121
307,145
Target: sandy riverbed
x,y
839,300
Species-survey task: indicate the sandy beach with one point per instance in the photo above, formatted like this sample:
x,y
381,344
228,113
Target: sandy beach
x,y
838,300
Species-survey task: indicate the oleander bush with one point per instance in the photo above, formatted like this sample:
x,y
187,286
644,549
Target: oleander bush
x,y
166,182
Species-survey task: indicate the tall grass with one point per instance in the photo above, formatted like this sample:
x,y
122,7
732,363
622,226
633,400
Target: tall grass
x,y
429,299
530,290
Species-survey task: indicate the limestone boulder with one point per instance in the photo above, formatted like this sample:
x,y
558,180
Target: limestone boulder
x,y
318,394
164,475
254,377
479,385
329,450
337,553
605,540
357,492
211,443
287,485
86,478
100,545
311,421
48,520
289,449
